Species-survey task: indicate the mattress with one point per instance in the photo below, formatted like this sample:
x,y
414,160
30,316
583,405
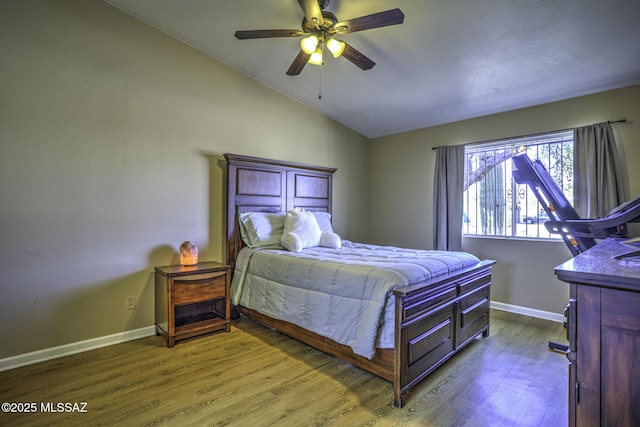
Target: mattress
x,y
344,294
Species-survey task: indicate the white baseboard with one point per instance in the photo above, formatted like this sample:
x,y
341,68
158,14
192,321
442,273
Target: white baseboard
x,y
68,349
73,348
532,312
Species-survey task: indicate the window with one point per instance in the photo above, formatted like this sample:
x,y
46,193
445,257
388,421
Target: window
x,y
494,204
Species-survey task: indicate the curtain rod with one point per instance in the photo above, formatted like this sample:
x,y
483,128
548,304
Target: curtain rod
x,y
533,134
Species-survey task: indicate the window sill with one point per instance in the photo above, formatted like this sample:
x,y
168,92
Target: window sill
x,y
526,239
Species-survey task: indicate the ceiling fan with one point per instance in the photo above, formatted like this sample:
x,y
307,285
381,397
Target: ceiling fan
x,y
319,27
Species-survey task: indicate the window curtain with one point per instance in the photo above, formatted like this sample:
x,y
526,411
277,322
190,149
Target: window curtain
x,y
448,187
599,184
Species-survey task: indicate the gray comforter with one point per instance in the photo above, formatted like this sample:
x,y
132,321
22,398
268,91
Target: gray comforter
x,y
342,294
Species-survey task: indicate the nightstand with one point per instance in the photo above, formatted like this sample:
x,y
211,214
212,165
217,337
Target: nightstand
x,y
192,300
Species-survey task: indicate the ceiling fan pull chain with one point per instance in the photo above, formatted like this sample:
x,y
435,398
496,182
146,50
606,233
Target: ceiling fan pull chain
x,y
320,84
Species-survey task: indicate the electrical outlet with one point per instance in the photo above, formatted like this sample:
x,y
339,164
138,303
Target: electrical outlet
x,y
131,303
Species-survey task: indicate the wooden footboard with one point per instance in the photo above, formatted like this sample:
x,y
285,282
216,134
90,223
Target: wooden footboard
x,y
436,320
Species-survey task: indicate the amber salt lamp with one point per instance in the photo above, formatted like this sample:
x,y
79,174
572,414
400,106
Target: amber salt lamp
x,y
188,254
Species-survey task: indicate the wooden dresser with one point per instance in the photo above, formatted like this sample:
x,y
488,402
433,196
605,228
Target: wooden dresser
x,y
604,335
192,300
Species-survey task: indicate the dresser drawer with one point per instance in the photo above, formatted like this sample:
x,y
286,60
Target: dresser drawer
x,y
199,287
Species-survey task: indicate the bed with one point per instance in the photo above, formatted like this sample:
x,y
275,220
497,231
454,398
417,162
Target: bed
x,y
418,308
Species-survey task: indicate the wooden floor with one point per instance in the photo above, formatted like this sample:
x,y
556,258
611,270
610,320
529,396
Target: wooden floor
x,y
254,376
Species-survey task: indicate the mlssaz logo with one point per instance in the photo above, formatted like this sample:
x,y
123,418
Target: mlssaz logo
x,y
63,407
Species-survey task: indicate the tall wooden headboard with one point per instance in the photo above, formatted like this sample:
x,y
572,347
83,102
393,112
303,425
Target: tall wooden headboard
x,y
264,185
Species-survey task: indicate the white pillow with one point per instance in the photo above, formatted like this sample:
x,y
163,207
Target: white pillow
x,y
324,221
301,230
259,229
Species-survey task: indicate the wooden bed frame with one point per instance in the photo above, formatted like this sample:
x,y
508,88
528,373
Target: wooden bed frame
x,y
433,320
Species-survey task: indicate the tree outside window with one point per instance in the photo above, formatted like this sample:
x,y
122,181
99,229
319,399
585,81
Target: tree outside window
x,y
494,204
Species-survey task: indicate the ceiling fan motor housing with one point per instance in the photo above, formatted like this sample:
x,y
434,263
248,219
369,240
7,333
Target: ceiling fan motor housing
x,y
325,27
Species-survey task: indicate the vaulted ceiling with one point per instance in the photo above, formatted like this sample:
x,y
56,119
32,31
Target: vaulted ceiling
x,y
450,60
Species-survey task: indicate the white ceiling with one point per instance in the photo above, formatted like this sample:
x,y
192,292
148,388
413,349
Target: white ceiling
x,y
450,60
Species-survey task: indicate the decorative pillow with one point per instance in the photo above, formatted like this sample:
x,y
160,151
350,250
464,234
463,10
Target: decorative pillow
x,y
330,240
324,221
301,230
259,229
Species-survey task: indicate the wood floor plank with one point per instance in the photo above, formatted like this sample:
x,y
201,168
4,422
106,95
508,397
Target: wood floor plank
x,y
256,376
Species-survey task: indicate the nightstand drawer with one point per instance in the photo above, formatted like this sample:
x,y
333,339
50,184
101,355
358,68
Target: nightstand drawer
x,y
199,288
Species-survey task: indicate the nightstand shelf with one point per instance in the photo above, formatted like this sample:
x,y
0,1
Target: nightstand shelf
x,y
192,300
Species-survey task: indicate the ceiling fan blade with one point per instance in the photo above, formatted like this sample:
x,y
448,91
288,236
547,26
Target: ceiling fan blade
x,y
376,20
265,34
355,56
298,63
312,11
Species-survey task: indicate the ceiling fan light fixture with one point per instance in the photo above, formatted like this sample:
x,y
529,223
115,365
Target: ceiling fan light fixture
x,y
316,57
309,44
336,47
